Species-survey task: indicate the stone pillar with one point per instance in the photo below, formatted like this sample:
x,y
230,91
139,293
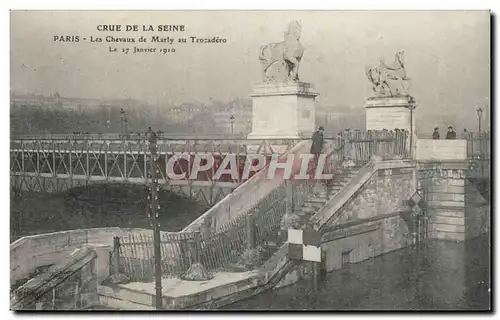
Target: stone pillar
x,y
392,113
103,261
283,110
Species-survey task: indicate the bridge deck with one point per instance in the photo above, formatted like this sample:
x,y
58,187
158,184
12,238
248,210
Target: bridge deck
x,y
59,163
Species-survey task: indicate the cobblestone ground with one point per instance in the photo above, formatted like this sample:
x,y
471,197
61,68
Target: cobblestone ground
x,y
442,276
113,205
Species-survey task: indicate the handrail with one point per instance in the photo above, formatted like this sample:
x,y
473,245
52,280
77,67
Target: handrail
x,y
136,136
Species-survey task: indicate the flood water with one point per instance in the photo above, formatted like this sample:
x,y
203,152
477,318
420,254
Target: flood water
x,y
440,275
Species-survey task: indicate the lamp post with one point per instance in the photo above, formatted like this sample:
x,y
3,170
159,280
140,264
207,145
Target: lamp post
x,y
231,119
479,115
481,145
154,206
411,107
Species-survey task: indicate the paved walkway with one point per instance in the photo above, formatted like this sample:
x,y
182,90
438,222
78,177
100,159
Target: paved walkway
x,y
179,288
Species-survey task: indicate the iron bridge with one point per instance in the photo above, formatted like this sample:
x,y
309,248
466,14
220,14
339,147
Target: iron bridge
x,y
57,163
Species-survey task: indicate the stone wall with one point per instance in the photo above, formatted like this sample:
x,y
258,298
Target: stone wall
x,y
445,183
383,193
457,210
367,219
379,188
354,247
372,222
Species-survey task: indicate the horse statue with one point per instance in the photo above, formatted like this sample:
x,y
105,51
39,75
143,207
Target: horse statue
x,y
389,80
280,61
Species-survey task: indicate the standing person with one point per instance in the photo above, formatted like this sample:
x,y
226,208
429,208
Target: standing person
x,y
451,134
435,134
465,134
317,142
317,145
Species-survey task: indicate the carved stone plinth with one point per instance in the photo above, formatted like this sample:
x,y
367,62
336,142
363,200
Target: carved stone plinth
x,y
283,110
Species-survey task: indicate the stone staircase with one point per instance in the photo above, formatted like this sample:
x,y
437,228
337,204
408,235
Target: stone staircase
x,y
320,195
323,192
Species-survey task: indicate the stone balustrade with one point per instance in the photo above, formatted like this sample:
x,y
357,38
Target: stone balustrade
x,y
437,150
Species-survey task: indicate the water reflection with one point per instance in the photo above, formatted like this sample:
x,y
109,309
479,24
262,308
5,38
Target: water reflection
x,y
441,275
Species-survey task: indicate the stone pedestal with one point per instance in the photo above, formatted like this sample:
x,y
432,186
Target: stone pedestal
x,y
283,111
392,113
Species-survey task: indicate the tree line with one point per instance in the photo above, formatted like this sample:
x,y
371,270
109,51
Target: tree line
x,y
36,119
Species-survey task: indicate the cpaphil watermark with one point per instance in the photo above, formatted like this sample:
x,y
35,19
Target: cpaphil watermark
x,y
290,167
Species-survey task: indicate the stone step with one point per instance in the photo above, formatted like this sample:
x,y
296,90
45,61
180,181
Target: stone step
x,y
333,193
316,200
318,188
321,196
339,178
351,171
340,181
314,204
345,174
305,216
337,184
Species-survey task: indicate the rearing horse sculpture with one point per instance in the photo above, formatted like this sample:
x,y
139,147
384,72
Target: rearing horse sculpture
x,y
280,61
389,80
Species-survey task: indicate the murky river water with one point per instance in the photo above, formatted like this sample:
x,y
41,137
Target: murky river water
x,y
441,275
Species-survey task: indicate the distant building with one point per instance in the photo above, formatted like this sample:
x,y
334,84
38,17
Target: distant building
x,y
184,112
50,102
56,101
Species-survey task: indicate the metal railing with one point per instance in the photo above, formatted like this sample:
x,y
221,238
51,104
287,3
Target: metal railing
x,y
69,285
361,146
478,144
222,246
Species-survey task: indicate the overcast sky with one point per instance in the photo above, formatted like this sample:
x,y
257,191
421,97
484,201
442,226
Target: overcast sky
x,y
447,55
